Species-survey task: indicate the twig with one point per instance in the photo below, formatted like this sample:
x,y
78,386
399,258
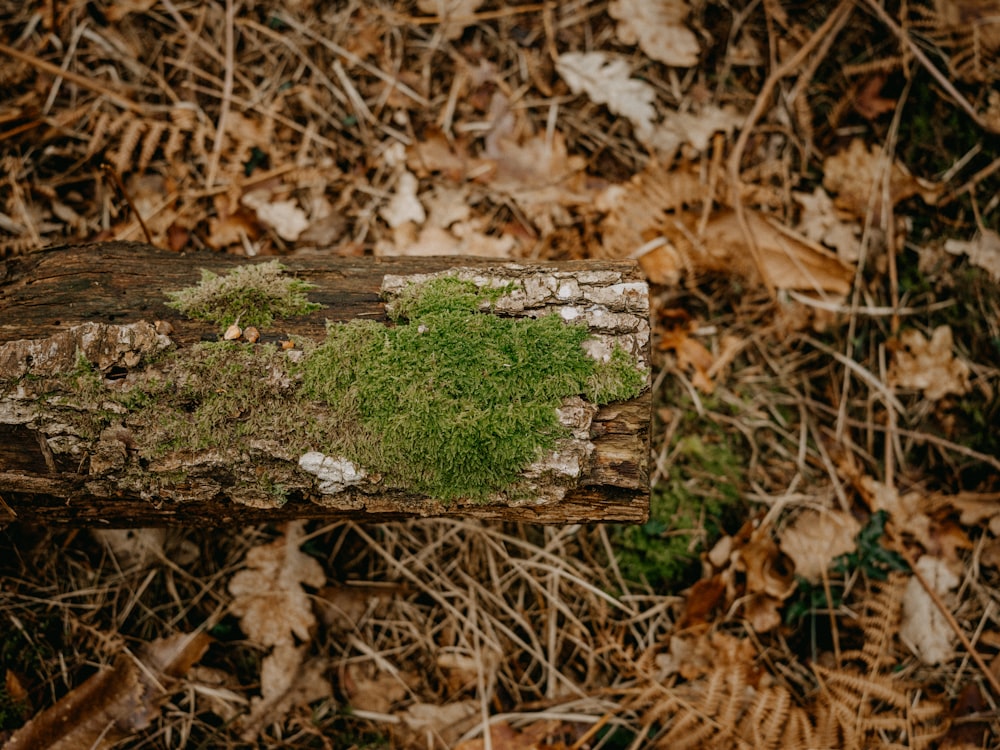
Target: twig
x,y
79,80
946,613
227,94
830,27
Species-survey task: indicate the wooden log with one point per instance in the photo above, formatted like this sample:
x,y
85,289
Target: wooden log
x,y
117,409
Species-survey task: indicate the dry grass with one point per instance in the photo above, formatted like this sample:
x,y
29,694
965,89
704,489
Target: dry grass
x,y
193,106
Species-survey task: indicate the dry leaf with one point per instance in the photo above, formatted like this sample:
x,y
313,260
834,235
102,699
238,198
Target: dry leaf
x,y
130,547
428,725
268,596
815,538
371,690
856,175
924,628
114,703
765,567
447,9
930,366
607,80
820,222
287,681
404,206
691,355
983,251
659,29
789,260
906,511
692,129
285,217
976,507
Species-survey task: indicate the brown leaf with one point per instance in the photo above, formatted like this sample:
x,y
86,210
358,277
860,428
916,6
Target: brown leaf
x,y
703,599
815,538
287,681
930,366
268,596
856,176
788,260
116,702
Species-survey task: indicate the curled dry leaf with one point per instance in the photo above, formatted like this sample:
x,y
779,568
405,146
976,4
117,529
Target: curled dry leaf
x,y
659,28
285,217
815,538
929,366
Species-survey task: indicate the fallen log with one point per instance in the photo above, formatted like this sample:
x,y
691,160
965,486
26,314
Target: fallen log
x,y
131,393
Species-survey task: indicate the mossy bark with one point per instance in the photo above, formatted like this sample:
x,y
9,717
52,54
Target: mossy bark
x,y
116,409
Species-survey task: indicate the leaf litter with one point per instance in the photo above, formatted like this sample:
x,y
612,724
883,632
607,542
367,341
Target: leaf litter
x,y
823,310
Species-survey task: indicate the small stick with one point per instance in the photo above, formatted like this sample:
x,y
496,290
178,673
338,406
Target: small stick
x,y
952,622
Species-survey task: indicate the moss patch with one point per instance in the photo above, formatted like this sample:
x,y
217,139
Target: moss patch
x,y
456,403
255,294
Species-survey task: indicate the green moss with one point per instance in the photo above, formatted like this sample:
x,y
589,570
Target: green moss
x,y
254,294
452,402
689,508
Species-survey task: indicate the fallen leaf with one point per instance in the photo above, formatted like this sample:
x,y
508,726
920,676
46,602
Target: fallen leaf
x,y
287,681
659,28
788,260
130,547
976,507
608,80
268,596
540,175
691,355
694,655
430,725
370,689
404,205
118,701
701,601
856,175
815,538
762,611
450,9
765,567
983,251
285,217
693,129
928,366
869,102
924,628
820,222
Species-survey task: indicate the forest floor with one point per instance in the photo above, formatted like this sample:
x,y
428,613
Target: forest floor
x,y
813,192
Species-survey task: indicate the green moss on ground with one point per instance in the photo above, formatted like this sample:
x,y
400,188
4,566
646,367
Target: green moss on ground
x,y
254,294
689,508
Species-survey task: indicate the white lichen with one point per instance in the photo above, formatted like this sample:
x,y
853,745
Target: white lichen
x,y
335,473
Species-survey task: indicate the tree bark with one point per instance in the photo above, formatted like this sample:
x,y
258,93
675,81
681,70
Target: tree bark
x,y
86,337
